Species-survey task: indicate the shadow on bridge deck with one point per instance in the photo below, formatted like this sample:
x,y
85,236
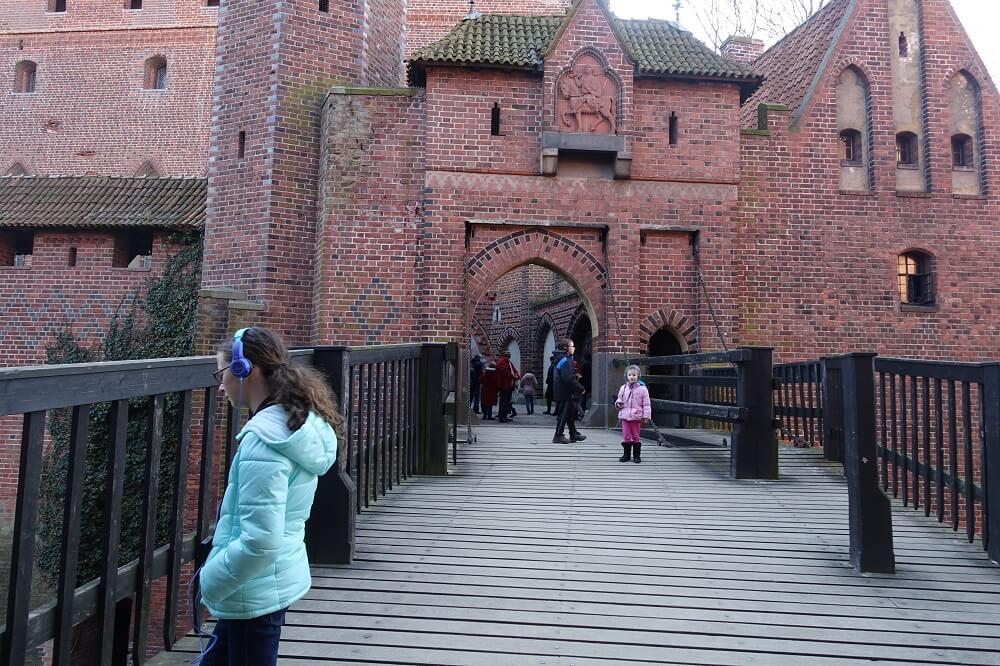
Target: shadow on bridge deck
x,y
535,553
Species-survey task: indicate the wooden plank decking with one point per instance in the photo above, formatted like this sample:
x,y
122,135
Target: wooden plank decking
x,y
535,553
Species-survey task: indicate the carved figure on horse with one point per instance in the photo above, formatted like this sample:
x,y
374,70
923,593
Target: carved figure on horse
x,y
584,95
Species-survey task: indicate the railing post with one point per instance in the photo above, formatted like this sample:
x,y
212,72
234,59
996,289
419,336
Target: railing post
x,y
330,528
870,514
433,427
755,446
833,409
991,459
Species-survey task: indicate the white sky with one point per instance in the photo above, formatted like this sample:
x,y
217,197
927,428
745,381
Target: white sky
x,y
980,18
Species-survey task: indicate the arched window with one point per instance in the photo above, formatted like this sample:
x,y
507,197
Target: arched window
x,y
904,46
155,77
916,279
147,170
16,169
24,76
962,152
850,147
906,150
497,314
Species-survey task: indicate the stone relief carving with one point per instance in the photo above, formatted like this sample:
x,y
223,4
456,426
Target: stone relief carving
x,y
587,99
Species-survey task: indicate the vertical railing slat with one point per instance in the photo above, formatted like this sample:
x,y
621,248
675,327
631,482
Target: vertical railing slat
x,y
928,467
207,471
172,606
384,421
79,437
885,438
939,458
894,429
953,451
914,444
902,458
970,506
111,537
151,488
369,384
29,481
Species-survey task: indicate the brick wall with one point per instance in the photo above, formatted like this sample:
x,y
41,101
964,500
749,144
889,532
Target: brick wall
x,y
823,275
368,236
48,296
90,112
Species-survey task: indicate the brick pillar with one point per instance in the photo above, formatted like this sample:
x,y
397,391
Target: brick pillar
x,y
742,49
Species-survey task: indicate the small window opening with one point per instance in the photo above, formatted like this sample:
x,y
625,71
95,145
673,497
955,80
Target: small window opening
x,y
57,5
672,129
916,282
497,314
155,77
71,261
962,153
241,147
212,3
133,250
906,149
25,76
495,119
324,5
135,4
24,247
850,147
904,46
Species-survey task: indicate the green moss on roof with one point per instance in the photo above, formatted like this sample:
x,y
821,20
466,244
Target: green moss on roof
x,y
99,201
657,47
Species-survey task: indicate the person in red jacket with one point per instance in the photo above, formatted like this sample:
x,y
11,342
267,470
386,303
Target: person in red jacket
x,y
488,390
507,375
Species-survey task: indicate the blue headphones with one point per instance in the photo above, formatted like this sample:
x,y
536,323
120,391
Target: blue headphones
x,y
241,365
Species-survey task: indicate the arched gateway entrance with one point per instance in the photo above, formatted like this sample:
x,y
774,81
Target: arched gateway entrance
x,y
514,263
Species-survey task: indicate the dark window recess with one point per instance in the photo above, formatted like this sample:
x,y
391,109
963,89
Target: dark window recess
x,y
160,78
916,281
850,147
133,250
57,5
135,4
24,247
241,145
324,5
495,119
672,129
212,3
906,149
962,153
155,77
72,257
904,46
25,76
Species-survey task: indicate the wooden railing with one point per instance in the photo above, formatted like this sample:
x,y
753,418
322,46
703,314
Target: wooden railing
x,y
798,402
754,447
392,398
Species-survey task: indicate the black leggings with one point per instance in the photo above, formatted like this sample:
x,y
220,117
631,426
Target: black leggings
x,y
567,417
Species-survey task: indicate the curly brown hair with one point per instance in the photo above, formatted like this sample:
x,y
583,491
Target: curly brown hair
x,y
299,389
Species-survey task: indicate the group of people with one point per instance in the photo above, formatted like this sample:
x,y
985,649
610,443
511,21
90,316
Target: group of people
x,y
492,382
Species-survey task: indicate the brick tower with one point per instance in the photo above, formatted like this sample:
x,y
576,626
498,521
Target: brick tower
x,y
276,61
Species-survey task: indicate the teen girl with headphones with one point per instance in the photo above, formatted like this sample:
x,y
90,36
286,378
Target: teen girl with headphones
x,y
257,566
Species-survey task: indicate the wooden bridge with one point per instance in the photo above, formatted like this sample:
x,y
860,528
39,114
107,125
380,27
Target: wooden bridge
x,y
537,553
513,550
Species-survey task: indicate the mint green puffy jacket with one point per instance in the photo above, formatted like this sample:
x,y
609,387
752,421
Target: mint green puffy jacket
x,y
258,561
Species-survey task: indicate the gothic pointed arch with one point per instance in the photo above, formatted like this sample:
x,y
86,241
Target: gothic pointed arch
x,y
148,169
15,169
544,247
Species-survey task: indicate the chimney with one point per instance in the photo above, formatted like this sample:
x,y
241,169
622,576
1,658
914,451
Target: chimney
x,y
742,49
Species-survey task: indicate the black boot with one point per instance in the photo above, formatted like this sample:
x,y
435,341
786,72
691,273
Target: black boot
x,y
636,451
627,455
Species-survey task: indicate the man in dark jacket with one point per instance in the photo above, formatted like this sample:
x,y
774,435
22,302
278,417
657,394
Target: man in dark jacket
x,y
566,388
475,373
506,374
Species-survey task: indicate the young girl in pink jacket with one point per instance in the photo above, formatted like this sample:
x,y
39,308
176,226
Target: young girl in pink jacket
x,y
633,409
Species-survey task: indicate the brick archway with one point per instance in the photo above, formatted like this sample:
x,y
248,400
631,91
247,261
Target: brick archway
x,y
685,330
545,248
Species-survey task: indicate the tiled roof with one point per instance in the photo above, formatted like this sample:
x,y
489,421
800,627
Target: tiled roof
x,y
790,66
99,201
657,47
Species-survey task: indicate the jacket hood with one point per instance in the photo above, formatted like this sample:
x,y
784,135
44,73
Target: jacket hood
x,y
313,446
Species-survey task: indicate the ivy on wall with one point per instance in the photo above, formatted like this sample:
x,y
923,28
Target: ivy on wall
x,y
163,324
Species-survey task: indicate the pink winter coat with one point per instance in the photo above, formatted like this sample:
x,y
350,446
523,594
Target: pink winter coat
x,y
633,402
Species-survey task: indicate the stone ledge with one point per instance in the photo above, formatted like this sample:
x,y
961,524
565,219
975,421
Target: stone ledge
x,y
222,292
384,92
607,143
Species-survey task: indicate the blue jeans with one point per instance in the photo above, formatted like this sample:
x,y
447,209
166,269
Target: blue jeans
x,y
529,404
251,642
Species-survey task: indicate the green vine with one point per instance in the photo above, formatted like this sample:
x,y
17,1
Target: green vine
x,y
161,325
